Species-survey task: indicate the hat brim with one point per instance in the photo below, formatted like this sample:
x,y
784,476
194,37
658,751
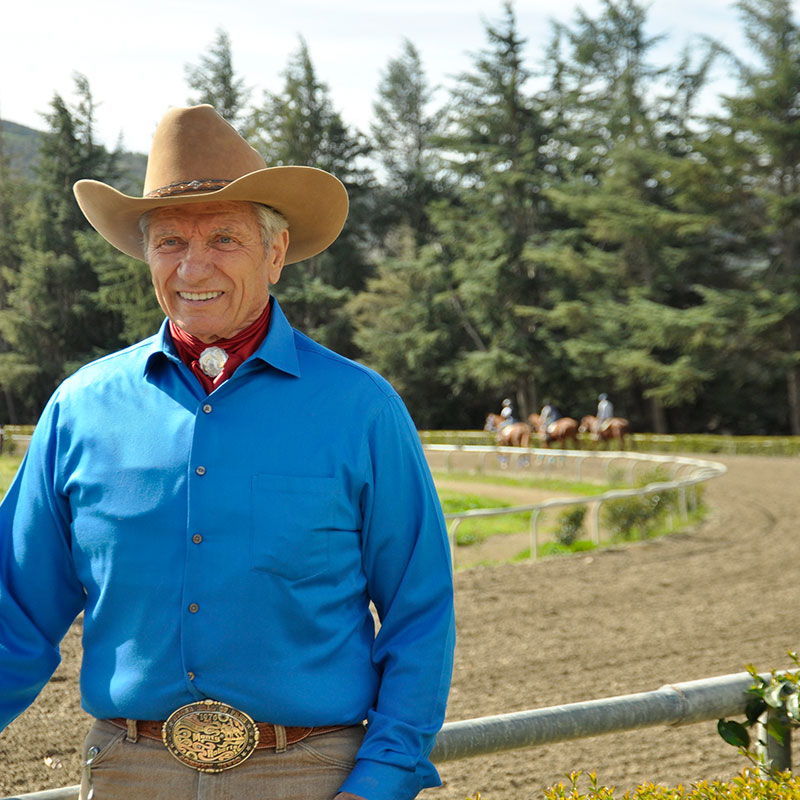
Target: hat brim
x,y
313,201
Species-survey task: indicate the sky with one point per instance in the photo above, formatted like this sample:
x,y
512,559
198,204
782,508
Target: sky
x,y
134,54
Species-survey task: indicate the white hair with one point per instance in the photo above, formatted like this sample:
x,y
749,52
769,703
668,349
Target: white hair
x,y
270,222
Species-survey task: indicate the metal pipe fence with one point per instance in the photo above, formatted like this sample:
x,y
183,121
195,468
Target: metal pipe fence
x,y
672,705
695,471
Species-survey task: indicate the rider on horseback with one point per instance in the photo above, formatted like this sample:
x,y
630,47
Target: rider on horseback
x,y
549,416
605,411
507,413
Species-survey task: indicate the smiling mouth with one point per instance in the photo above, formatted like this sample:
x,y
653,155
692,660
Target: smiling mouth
x,y
199,295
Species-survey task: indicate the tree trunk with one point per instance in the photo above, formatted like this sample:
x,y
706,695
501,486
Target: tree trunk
x,y
10,407
527,399
793,395
657,416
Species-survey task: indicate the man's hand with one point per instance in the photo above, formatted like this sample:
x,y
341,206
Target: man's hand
x,y
348,796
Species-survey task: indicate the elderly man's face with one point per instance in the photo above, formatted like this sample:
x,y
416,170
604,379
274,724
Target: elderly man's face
x,y
210,269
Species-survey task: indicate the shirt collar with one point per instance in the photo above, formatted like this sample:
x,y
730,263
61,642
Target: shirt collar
x,y
278,348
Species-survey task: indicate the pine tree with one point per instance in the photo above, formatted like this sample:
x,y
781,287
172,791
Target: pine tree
x,y
638,239
215,81
403,133
51,322
13,195
495,143
300,127
761,134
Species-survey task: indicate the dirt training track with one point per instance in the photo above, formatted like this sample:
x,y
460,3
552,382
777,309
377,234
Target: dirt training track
x,y
625,620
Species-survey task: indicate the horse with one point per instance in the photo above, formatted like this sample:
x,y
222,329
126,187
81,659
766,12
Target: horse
x,y
515,434
561,431
614,429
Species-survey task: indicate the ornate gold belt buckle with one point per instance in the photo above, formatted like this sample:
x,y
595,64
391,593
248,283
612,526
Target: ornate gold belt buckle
x,y
210,736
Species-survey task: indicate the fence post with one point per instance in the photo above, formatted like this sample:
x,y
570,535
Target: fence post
x,y
682,504
452,533
777,755
596,522
534,534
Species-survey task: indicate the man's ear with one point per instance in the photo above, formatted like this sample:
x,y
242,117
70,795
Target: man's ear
x,y
277,256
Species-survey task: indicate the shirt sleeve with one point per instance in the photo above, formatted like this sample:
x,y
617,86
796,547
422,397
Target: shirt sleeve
x,y
40,595
407,561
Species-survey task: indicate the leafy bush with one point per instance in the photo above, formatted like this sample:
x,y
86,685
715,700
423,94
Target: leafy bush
x,y
570,524
780,695
629,516
750,785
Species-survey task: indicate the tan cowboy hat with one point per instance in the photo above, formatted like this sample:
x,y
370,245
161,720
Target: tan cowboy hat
x,y
196,157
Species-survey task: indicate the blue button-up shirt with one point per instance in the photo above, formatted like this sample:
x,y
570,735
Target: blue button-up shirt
x,y
227,547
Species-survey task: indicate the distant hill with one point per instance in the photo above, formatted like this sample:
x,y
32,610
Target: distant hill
x,y
21,146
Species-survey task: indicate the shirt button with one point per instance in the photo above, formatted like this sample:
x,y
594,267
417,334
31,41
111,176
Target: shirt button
x,y
190,675
197,538
207,408
193,608
201,470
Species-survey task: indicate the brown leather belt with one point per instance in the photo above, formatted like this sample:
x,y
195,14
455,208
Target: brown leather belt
x,y
152,729
212,736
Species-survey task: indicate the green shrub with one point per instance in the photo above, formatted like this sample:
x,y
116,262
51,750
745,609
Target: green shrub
x,y
780,695
747,786
570,524
628,517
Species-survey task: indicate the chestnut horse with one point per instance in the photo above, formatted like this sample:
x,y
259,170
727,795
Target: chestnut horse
x,y
563,430
614,429
515,434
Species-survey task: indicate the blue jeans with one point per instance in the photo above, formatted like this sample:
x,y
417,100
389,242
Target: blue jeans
x,y
313,769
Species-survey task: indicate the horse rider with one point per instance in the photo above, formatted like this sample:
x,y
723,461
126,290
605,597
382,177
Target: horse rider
x,y
225,567
507,414
605,411
548,416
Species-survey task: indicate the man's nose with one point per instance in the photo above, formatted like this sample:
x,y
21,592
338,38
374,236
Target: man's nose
x,y
197,262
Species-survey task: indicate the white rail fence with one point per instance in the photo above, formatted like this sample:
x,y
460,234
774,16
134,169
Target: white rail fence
x,y
672,705
687,473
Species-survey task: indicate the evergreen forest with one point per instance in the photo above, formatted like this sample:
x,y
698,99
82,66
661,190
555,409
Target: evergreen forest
x,y
561,223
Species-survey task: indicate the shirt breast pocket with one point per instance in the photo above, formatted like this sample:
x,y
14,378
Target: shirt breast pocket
x,y
290,517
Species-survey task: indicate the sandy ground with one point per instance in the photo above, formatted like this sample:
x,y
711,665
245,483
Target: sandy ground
x,y
692,606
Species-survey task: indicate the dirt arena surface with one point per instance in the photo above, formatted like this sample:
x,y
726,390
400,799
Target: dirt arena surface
x,y
563,630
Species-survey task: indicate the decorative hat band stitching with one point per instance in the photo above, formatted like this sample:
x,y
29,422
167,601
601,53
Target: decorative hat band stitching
x,y
189,187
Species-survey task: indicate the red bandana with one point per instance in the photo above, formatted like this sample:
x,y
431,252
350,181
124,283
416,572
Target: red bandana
x,y
239,348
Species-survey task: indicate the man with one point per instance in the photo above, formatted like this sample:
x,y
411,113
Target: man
x,y
225,565
507,413
548,417
605,411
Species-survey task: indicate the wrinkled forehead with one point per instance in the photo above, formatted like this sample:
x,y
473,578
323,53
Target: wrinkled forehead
x,y
213,214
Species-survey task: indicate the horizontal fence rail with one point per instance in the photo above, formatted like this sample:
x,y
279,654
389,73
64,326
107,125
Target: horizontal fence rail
x,y
672,705
686,473
710,443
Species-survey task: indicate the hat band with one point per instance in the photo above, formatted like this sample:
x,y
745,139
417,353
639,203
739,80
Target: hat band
x,y
189,187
